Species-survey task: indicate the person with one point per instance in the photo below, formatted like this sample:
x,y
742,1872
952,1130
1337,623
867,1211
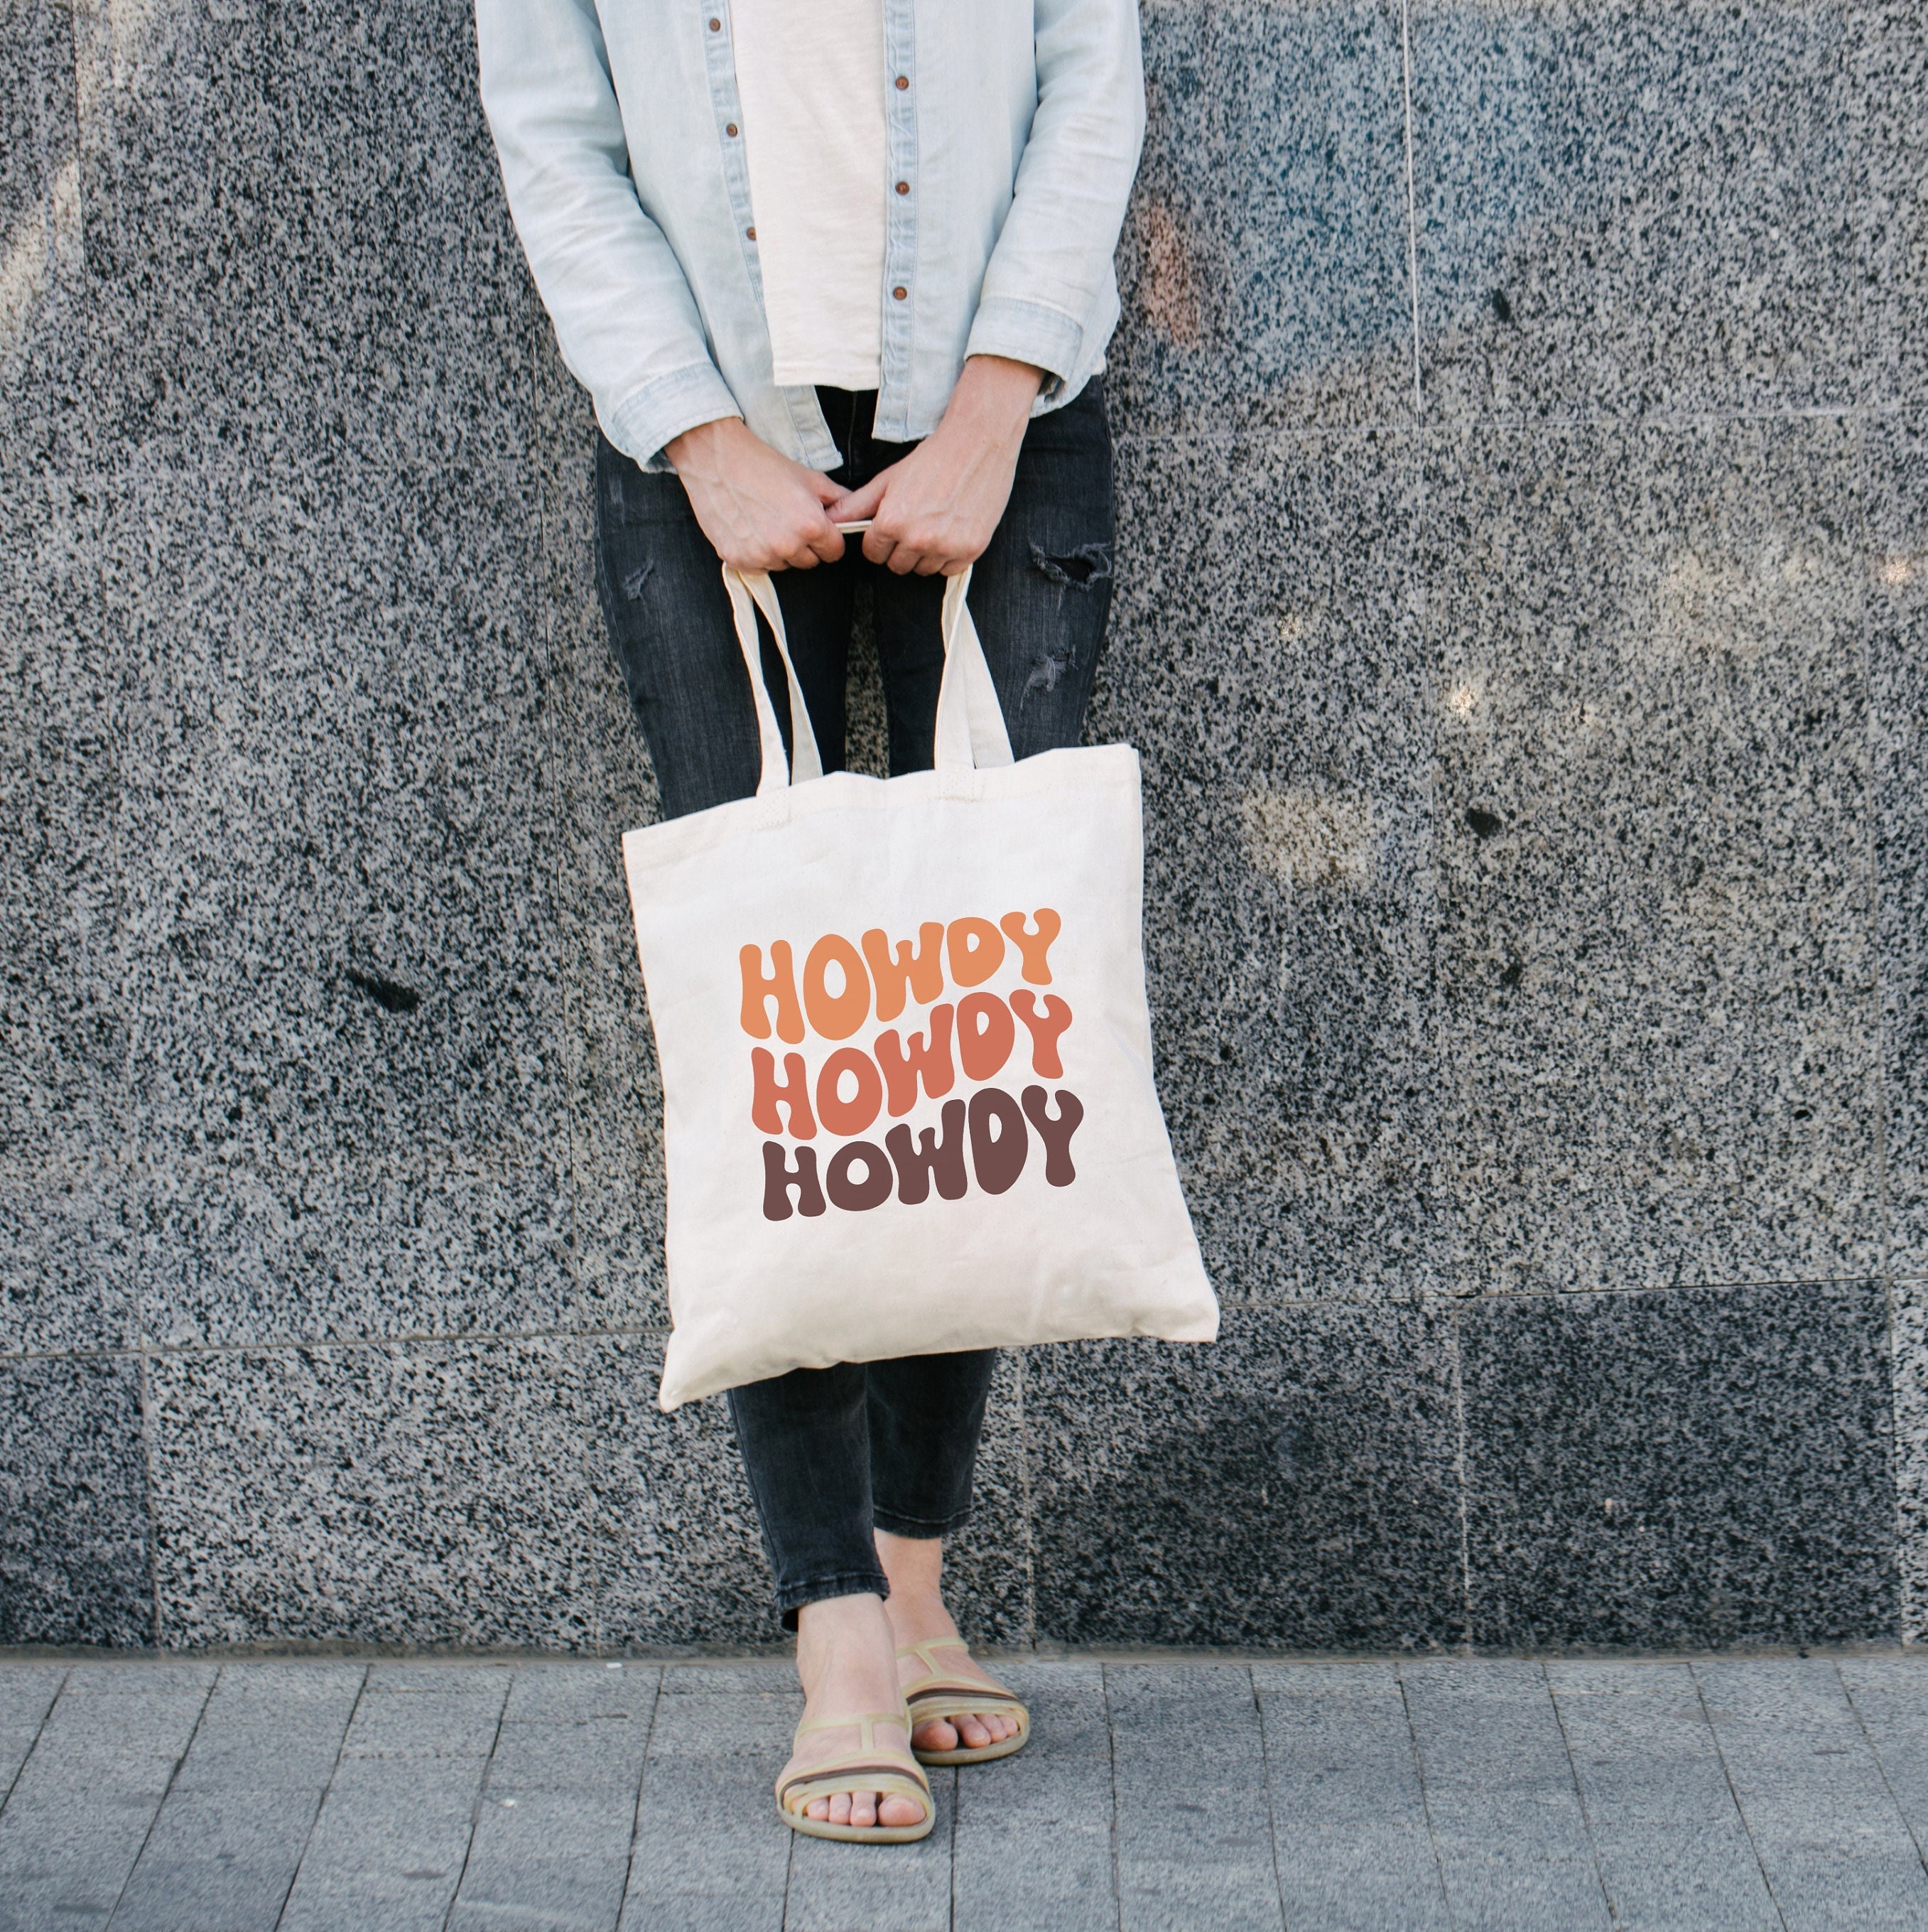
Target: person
x,y
847,262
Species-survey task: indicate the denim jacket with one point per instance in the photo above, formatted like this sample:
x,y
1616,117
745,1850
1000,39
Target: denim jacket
x,y
1013,126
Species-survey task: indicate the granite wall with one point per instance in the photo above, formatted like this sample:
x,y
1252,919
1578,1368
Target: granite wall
x,y
1522,417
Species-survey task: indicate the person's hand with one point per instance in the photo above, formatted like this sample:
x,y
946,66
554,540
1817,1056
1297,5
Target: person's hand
x,y
936,510
760,510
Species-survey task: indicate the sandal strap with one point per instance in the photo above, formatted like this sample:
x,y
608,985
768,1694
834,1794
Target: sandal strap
x,y
960,1695
872,1769
922,1652
864,1721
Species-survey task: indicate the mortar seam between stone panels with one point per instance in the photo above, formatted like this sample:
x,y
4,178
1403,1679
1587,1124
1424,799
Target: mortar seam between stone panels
x,y
1419,1771
143,1384
1874,1751
475,1810
1663,420
6,1796
1459,1477
361,1691
174,1772
1412,200
444,1338
1025,1502
1580,1797
1905,1604
643,1785
1740,1810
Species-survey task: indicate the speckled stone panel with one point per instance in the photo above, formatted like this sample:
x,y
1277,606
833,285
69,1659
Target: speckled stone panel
x,y
1891,99
1265,660
1897,592
1682,1468
1656,971
341,845
63,1280
63,1045
1626,210
343,970
287,258
1897,570
75,1560
1909,1307
679,1554
1292,1484
429,1494
1263,266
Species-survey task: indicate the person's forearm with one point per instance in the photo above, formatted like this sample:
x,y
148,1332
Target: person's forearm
x,y
993,399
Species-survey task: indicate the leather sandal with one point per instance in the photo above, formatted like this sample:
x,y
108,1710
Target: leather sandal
x,y
938,1695
871,1767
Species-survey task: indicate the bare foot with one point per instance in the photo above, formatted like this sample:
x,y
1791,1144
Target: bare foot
x,y
845,1656
916,1614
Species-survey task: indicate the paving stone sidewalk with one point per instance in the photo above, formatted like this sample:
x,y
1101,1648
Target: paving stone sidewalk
x,y
350,1796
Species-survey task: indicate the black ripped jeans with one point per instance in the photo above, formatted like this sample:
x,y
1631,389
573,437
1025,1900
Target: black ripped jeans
x,y
834,1453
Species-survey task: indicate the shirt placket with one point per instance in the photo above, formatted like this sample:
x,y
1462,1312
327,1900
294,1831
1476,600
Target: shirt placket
x,y
813,434
900,250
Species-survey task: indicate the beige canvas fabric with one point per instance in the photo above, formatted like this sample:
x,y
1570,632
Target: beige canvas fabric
x,y
905,1050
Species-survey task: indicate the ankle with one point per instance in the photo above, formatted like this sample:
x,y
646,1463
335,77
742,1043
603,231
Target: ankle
x,y
840,1639
913,1564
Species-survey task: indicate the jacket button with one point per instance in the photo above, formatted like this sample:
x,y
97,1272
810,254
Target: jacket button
x,y
751,232
904,188
716,26
903,82
900,294
731,130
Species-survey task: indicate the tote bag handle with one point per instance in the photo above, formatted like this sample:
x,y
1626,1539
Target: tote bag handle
x,y
970,722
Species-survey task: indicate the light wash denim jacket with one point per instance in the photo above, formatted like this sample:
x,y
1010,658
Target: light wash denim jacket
x,y
1014,125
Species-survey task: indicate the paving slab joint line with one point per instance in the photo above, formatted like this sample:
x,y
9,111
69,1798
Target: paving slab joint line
x,y
643,1785
1418,1768
1733,1796
1580,1798
174,1772
6,1796
475,1811
361,1691
1881,1764
1265,1770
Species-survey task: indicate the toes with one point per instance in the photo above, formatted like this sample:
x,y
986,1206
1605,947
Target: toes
x,y
970,1728
840,1807
936,1735
897,1812
863,1807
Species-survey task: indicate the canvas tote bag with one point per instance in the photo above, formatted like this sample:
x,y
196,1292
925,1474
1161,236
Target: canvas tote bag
x,y
905,1050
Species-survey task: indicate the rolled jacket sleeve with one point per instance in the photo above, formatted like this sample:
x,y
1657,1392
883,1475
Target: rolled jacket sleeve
x,y
626,320
1049,296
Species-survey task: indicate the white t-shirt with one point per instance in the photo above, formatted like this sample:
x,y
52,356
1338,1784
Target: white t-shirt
x,y
810,76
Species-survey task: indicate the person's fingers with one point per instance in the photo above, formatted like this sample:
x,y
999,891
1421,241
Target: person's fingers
x,y
860,504
826,492
826,544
